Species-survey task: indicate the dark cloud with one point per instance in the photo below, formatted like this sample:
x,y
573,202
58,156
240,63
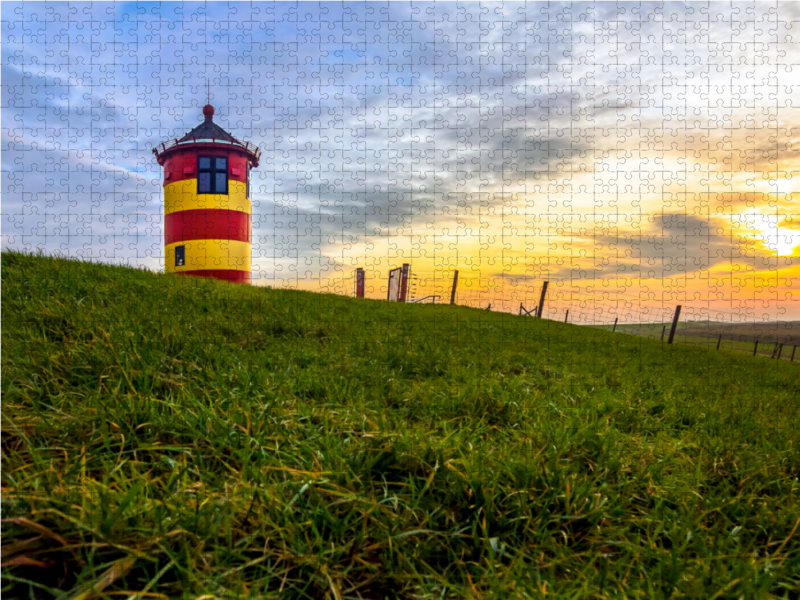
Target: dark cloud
x,y
667,245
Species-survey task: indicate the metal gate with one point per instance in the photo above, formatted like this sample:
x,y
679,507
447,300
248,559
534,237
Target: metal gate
x,y
398,284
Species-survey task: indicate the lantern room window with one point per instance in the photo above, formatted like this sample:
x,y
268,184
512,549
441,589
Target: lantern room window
x,y
212,175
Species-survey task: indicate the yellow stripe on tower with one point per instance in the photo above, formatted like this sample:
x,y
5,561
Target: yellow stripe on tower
x,y
182,195
209,254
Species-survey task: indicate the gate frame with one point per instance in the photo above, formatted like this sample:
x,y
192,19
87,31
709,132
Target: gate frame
x,y
402,273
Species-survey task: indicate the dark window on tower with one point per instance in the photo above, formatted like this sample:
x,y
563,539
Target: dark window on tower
x,y
212,175
248,182
180,256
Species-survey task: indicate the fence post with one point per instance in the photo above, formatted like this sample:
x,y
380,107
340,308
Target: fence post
x,y
566,316
663,331
780,351
674,323
541,301
755,348
774,350
793,350
453,291
359,283
615,324
719,339
489,307
520,308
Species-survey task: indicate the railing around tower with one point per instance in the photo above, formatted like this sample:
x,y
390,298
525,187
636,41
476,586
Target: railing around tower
x,y
172,143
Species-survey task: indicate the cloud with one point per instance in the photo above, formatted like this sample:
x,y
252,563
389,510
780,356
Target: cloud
x,y
380,124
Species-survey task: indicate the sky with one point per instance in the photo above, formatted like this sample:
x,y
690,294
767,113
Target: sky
x,y
635,155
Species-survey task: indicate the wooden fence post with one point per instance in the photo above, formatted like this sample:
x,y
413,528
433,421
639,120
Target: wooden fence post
x,y
755,348
663,331
793,350
359,283
615,324
566,316
674,323
453,291
774,350
780,351
541,301
719,339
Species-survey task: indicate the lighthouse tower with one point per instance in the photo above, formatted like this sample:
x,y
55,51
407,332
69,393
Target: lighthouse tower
x,y
207,207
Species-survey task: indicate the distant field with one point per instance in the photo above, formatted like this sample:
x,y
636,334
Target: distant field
x,y
784,332
737,337
168,437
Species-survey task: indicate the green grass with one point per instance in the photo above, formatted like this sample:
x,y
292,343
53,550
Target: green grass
x,y
182,437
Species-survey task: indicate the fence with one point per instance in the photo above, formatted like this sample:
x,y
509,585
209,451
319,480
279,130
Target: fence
x,y
647,313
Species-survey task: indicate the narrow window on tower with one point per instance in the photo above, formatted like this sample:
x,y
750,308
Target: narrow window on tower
x,y
204,175
221,175
180,256
248,182
212,175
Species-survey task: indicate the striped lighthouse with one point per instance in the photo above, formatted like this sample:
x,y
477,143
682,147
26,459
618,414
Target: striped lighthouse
x,y
207,206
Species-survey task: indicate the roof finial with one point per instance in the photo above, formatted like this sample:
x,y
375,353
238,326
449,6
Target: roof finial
x,y
208,110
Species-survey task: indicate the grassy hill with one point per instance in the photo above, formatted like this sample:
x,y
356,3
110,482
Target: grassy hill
x,y
182,437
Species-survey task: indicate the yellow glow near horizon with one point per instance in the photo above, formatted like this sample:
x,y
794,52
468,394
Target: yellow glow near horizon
x,y
781,240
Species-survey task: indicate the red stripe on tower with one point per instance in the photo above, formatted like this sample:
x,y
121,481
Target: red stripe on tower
x,y
180,165
222,274
207,224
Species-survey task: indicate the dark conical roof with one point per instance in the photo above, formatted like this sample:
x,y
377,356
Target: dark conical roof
x,y
208,130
